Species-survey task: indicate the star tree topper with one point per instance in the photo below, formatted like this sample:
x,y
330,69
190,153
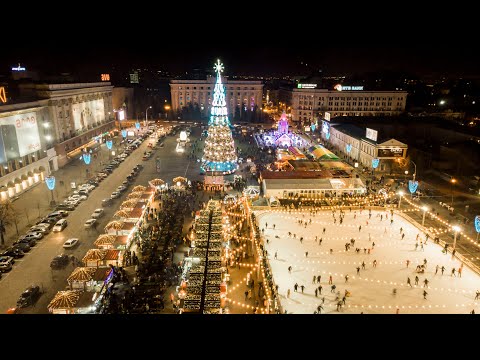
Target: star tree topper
x,y
218,67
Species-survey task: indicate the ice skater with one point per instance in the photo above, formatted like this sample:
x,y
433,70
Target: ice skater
x,y
346,278
314,279
324,231
409,282
319,278
330,280
360,228
363,265
306,254
374,263
333,287
358,270
288,294
408,263
436,269
275,255
453,272
416,280
425,294
303,288
295,287
320,288
443,269
477,295
290,269
425,283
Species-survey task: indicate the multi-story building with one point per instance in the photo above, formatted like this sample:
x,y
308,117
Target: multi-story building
x,y
310,104
363,149
239,93
39,136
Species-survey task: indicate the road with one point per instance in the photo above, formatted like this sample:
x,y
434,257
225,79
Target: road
x,y
34,268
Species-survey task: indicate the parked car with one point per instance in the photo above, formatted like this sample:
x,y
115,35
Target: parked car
x,y
6,263
70,243
77,197
30,242
47,225
22,246
73,203
58,214
60,261
115,195
33,235
60,225
65,207
90,223
121,188
40,228
97,213
29,296
16,253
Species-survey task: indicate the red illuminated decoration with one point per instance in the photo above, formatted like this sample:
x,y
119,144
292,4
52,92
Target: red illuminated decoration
x,y
105,77
3,95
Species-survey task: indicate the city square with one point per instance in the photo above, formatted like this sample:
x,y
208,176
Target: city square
x,y
146,192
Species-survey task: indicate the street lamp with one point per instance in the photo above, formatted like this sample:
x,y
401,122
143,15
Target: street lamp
x,y
401,193
406,173
146,115
477,225
456,229
167,108
452,181
425,209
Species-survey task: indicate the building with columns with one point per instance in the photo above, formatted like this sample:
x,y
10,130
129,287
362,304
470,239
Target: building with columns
x,y
245,93
41,135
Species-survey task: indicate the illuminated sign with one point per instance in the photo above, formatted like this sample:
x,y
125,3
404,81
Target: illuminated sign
x,y
131,133
372,134
307,86
327,116
325,127
340,87
20,134
390,153
3,95
105,77
134,79
18,68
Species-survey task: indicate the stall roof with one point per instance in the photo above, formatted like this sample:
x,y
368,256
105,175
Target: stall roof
x,y
81,274
120,240
101,274
314,184
305,165
94,255
321,174
322,153
136,212
112,254
64,300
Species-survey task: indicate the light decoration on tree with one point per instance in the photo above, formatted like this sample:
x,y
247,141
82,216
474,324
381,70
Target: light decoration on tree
x,y
124,133
375,163
349,148
109,144
412,186
137,125
219,153
50,181
87,158
327,136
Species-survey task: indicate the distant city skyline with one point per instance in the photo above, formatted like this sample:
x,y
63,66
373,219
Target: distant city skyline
x,y
421,61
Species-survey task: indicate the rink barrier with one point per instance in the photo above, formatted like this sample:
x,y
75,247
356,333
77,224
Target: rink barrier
x,y
441,242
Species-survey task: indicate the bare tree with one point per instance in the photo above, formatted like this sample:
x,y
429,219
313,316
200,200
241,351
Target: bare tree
x,y
7,217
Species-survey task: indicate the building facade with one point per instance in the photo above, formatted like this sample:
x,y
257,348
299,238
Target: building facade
x,y
38,137
239,93
363,150
310,105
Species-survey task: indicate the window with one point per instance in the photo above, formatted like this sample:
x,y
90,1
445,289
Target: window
x,y
208,93
231,93
194,88
201,87
208,88
188,87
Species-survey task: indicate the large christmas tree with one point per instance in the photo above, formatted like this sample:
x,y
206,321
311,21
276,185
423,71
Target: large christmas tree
x,y
219,153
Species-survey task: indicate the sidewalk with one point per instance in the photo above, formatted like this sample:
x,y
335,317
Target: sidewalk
x,y
34,204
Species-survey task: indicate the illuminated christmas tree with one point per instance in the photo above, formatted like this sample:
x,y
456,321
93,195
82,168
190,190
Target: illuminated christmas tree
x,y
219,153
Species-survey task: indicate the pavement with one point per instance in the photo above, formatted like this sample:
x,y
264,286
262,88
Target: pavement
x,y
34,268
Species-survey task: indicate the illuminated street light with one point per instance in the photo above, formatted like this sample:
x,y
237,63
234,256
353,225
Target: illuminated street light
x,y
401,193
456,229
425,209
146,115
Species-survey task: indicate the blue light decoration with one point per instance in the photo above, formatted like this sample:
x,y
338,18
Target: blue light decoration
x,y
349,148
219,152
375,163
50,181
109,277
87,158
109,144
124,133
477,223
137,125
327,136
313,127
412,186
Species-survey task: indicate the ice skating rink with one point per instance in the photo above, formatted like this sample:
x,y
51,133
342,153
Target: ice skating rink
x,y
372,290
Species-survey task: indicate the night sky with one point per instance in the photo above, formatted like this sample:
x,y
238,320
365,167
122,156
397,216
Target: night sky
x,y
420,60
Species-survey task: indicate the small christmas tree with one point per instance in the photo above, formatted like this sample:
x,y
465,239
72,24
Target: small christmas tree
x,y
219,152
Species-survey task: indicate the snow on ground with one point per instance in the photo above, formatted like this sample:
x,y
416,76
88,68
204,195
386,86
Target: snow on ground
x,y
372,290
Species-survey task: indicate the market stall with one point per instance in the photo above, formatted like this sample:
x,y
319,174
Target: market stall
x,y
79,278
71,302
102,258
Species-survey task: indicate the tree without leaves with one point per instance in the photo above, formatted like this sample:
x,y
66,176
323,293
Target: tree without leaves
x,y
7,217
